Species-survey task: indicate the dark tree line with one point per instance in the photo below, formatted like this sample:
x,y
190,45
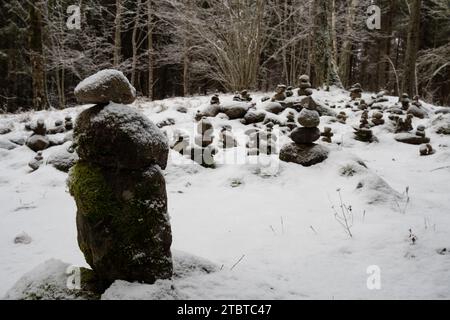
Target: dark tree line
x,y
184,47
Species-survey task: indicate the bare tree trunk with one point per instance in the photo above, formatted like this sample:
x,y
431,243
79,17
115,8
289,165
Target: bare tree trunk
x,y
409,72
186,49
117,34
346,52
150,48
36,56
323,67
134,41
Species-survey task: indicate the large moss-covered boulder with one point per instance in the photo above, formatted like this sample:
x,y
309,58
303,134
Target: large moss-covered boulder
x,y
105,86
122,221
119,136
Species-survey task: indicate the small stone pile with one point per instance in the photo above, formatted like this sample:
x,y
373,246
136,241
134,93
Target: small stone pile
x,y
58,128
37,161
362,105
305,86
303,150
416,109
215,99
377,118
290,121
356,91
122,221
203,152
289,92
226,138
419,137
38,141
363,132
280,93
327,134
404,100
404,125
68,124
243,96
341,117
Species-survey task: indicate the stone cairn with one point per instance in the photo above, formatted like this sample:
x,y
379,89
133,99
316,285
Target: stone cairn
x,y
215,99
226,138
404,125
37,161
377,118
243,96
363,132
203,151
404,100
118,185
419,137
356,91
280,93
305,86
327,134
68,124
290,121
38,141
303,150
341,117
289,92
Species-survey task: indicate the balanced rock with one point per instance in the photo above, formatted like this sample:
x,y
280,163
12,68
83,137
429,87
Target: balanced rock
x,y
37,161
119,136
410,138
303,154
327,134
68,124
38,143
280,93
309,118
404,100
404,125
377,118
105,86
215,99
417,111
305,86
356,91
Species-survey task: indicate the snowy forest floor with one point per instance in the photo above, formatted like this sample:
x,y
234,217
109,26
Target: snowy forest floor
x,y
277,225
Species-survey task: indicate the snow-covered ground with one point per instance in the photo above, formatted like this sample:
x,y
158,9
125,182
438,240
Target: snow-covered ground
x,y
272,232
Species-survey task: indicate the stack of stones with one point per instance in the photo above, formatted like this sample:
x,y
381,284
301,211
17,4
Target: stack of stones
x,y
418,138
58,128
377,118
356,91
38,140
416,109
290,122
203,152
363,105
280,93
303,150
243,96
404,100
215,99
226,138
68,124
363,133
118,185
341,117
327,134
37,161
305,86
289,92
404,125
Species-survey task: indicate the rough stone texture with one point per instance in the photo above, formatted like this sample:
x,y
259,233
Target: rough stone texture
x,y
105,86
62,159
417,112
254,116
274,107
235,110
38,143
303,154
48,281
211,110
119,136
305,135
411,138
122,221
309,118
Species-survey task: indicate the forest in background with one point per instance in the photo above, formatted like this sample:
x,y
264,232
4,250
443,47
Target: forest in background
x,y
180,48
